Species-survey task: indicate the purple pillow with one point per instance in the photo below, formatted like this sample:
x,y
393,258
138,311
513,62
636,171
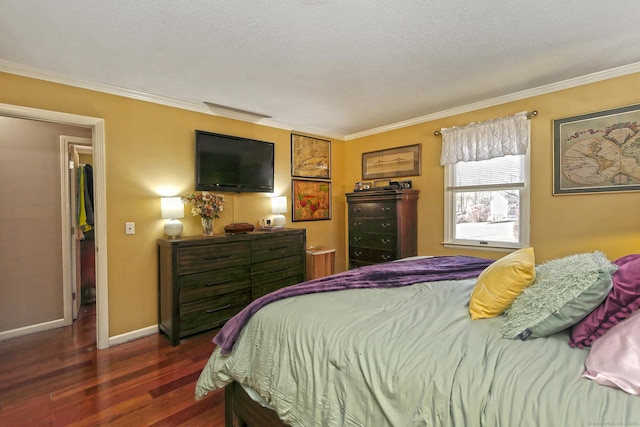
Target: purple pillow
x,y
622,300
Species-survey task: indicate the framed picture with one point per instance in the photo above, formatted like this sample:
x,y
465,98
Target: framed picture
x,y
399,161
597,152
311,200
310,157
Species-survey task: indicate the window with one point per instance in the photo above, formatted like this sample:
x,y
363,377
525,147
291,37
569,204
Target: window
x,y
487,202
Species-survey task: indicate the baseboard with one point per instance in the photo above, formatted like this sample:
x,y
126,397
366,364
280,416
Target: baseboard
x,y
31,329
133,335
118,339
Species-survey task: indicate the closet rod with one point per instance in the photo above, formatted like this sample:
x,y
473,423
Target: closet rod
x,y
529,115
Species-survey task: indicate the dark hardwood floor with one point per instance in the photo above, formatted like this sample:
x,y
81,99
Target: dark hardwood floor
x,y
59,378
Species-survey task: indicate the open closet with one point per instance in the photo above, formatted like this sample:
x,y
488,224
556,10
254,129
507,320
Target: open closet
x,y
82,220
86,227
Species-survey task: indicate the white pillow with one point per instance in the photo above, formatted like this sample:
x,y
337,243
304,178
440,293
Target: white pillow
x,y
614,358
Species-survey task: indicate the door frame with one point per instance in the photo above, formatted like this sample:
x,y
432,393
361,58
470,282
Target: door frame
x,y
71,245
100,215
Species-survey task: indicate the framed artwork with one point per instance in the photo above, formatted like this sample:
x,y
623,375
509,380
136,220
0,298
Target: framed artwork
x,y
597,152
310,157
399,161
311,200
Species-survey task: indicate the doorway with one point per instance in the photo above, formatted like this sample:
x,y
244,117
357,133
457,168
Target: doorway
x,y
97,137
79,279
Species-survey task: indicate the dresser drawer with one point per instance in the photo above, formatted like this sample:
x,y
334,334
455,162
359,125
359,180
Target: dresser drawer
x,y
266,288
196,259
371,255
216,282
375,225
277,270
373,240
380,209
277,247
212,312
353,263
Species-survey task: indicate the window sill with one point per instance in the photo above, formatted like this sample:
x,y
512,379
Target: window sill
x,y
488,247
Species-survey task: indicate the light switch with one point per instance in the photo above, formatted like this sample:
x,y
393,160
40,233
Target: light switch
x,y
129,228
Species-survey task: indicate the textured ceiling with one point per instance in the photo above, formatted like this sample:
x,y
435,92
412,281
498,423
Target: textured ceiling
x,y
332,67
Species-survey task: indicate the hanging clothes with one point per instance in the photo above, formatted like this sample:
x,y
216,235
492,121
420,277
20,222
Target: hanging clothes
x,y
82,211
88,193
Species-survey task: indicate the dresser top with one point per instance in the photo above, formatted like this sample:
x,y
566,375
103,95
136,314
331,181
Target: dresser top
x,y
374,195
226,238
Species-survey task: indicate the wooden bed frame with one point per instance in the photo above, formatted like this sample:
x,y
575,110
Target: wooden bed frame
x,y
242,411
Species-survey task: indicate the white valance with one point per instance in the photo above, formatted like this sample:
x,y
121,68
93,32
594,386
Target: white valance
x,y
485,140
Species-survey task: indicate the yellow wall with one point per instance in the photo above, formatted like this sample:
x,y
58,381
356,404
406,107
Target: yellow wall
x,y
150,147
560,225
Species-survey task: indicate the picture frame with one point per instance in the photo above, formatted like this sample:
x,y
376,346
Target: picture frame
x,y
310,200
392,162
310,157
597,152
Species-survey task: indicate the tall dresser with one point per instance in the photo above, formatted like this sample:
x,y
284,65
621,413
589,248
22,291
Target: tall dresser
x,y
382,226
204,281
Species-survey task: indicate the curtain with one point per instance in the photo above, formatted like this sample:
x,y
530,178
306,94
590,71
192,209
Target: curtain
x,y
485,140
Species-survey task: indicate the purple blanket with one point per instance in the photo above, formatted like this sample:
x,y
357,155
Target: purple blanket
x,y
386,275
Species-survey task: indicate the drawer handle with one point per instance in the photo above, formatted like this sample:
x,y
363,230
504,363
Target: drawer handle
x,y
209,258
357,253
357,239
213,310
218,283
357,209
357,224
386,209
277,248
385,241
386,257
278,271
386,225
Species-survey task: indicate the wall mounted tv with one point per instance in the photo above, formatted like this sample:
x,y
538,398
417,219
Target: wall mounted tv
x,y
228,163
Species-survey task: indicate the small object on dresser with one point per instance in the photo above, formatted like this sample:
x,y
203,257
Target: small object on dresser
x,y
238,227
361,186
382,183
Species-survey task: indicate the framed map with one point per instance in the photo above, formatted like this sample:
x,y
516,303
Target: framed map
x,y
311,200
310,157
392,162
597,152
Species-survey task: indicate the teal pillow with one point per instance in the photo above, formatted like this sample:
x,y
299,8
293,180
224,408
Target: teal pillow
x,y
564,292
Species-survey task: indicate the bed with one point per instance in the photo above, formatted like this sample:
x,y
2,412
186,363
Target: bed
x,y
351,354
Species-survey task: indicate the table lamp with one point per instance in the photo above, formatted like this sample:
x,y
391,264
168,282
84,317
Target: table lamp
x,y
172,209
278,207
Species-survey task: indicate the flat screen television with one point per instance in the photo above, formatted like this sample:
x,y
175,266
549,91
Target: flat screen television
x,y
228,163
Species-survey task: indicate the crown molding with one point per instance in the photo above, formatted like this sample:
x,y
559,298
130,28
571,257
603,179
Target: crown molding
x,y
541,90
40,74
230,113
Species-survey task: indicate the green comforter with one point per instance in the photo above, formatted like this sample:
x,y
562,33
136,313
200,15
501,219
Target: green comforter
x,y
409,356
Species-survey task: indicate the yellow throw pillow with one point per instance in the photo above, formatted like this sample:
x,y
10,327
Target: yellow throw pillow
x,y
500,283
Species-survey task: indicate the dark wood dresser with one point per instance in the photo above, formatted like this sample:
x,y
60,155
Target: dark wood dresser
x,y
204,281
382,226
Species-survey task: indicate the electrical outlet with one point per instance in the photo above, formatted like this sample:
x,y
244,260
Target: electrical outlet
x,y
129,228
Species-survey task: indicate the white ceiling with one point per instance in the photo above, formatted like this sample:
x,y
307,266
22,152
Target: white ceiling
x,y
336,68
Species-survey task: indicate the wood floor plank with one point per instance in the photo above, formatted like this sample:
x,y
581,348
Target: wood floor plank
x,y
59,378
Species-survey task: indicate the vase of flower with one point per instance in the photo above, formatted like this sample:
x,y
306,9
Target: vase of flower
x,y
207,206
207,225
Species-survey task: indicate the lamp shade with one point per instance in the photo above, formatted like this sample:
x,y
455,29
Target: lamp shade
x,y
279,204
172,207
278,207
